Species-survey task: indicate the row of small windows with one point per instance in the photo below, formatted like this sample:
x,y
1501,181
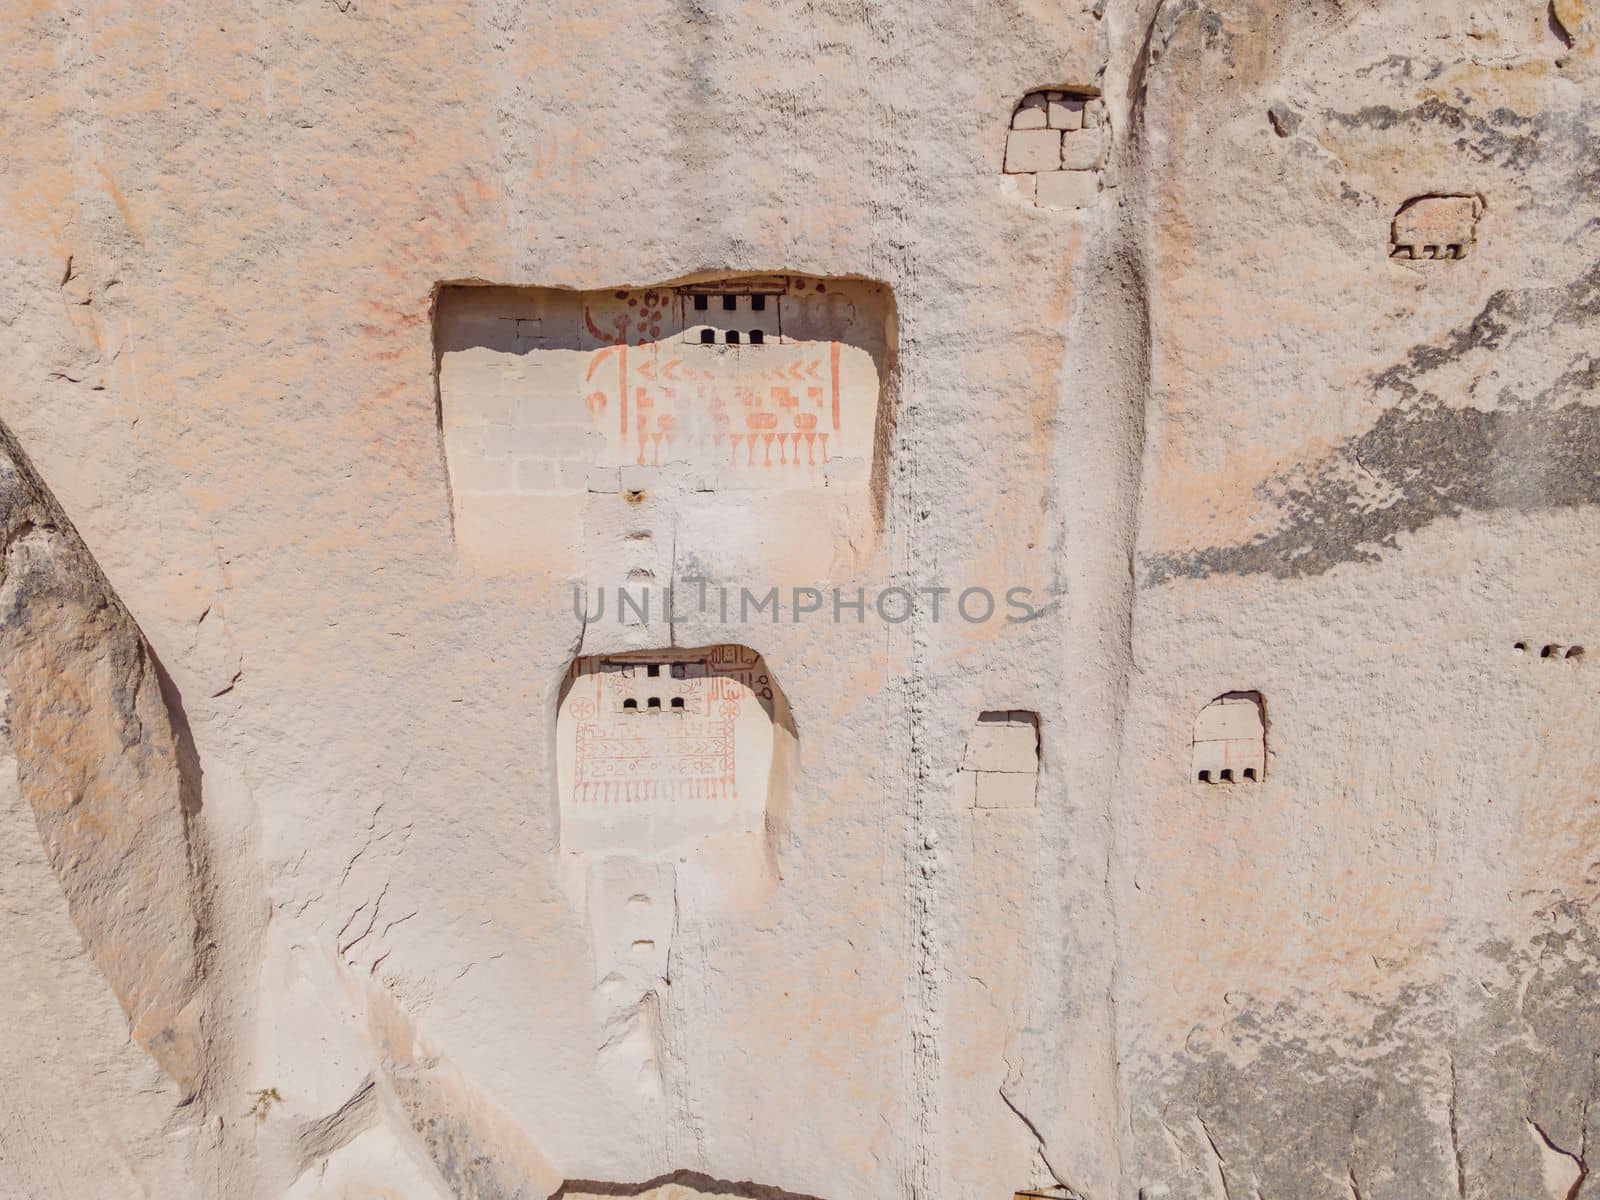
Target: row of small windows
x,y
1551,650
1230,733
1230,739
730,302
1248,775
651,670
708,337
653,704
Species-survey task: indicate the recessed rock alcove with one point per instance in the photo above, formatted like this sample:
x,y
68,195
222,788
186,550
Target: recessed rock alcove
x,y
1056,146
557,406
1230,740
1000,765
1442,228
671,767
681,754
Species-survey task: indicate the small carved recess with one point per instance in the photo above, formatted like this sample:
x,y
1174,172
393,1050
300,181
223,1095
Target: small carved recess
x,y
1440,228
1550,651
748,315
1230,740
1056,146
1000,765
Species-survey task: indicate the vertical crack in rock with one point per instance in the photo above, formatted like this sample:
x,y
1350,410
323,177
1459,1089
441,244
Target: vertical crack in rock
x,y
922,863
108,768
1455,1132
1123,271
915,559
1219,1165
1042,1147
676,1055
1565,1163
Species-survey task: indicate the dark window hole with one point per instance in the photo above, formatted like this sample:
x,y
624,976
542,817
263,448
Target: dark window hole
x,y
729,303
1250,774
677,702
701,303
1205,776
655,702
1575,652
758,304
1520,647
630,703
757,337
707,336
653,670
1227,776
1547,652
733,337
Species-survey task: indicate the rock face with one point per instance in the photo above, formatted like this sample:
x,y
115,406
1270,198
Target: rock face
x,y
1117,481
101,764
85,1111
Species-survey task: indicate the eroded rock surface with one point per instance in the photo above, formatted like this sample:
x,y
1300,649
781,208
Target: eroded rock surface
x,y
84,1111
101,762
1242,352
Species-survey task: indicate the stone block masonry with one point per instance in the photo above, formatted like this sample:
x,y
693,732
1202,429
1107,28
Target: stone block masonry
x,y
1000,764
1055,148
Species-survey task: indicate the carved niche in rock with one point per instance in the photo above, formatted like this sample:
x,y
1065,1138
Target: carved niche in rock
x,y
1230,740
1056,147
1000,765
557,406
1435,227
660,751
633,913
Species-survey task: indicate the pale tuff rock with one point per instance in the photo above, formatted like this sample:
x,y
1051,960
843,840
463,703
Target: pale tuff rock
x,y
1067,189
85,1111
103,765
381,1105
1254,340
1230,741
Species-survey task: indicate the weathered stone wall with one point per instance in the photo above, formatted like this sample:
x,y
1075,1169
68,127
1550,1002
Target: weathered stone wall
x,y
1252,341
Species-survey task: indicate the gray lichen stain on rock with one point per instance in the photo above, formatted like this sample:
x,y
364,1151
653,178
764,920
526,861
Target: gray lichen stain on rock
x,y
1500,136
1359,1102
1416,1102
1432,460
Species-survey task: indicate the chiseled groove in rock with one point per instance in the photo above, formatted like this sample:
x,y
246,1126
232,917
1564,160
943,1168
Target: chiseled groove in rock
x,y
105,766
1125,357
